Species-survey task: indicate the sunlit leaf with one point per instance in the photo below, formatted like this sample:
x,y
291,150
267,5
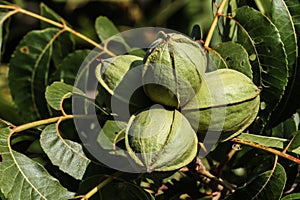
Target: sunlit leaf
x,y
260,37
288,129
294,196
268,186
65,154
105,28
231,55
23,178
59,91
28,73
264,140
108,33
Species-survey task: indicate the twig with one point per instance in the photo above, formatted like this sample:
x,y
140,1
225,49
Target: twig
x,y
234,149
200,169
101,185
62,25
268,149
214,24
40,122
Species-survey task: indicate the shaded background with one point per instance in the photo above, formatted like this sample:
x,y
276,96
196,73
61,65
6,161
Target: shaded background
x,y
179,15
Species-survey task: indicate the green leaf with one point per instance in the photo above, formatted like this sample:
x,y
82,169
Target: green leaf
x,y
277,11
231,55
108,33
49,14
268,186
275,142
294,196
58,91
127,189
293,7
22,178
285,129
67,69
105,28
260,37
295,147
116,190
264,140
28,73
290,101
65,154
111,133
8,109
64,44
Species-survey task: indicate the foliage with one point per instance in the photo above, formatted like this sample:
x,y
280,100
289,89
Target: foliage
x,y
42,156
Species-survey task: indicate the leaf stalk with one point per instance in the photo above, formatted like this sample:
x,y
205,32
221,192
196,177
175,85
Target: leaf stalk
x,y
268,149
62,25
214,24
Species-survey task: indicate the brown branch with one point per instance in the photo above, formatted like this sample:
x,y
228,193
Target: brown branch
x,y
268,149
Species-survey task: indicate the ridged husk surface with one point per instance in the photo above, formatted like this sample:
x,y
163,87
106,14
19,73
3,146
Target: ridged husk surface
x,y
161,140
227,102
174,65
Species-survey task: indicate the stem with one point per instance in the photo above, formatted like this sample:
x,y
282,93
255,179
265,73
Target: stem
x,y
201,170
40,122
214,24
101,185
59,25
23,127
9,14
231,153
34,15
12,7
268,149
